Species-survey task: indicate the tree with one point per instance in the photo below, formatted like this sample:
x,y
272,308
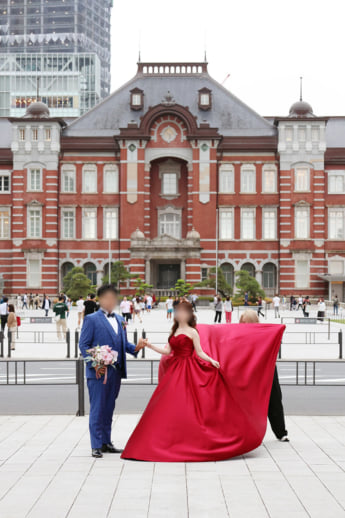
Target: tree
x,y
246,283
141,287
76,283
118,274
223,287
182,287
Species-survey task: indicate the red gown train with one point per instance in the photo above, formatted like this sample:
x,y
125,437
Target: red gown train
x,y
200,413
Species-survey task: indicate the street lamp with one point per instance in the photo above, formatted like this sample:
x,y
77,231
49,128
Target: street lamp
x,y
109,259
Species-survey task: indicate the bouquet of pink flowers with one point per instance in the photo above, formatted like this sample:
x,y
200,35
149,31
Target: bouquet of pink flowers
x,y
100,357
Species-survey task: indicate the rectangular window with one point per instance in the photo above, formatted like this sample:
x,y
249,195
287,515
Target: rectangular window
x,y
35,223
302,181
68,179
68,224
136,99
90,223
336,267
22,134
247,223
111,179
204,274
301,222
288,134
226,179
226,224
90,180
269,224
315,134
269,180
4,223
169,183
34,273
35,179
336,223
336,183
248,180
110,224
4,183
301,274
205,99
34,133
301,134
47,134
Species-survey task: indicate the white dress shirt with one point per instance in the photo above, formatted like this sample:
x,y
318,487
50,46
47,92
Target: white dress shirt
x,y
112,320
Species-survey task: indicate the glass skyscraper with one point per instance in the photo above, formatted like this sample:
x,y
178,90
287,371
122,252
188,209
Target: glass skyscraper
x,y
58,50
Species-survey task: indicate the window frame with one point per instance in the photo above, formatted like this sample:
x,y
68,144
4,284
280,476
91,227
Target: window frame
x,y
29,275
269,168
226,168
297,208
253,210
85,209
302,166
222,211
29,178
252,169
164,175
5,174
165,213
4,209
107,210
89,168
303,276
64,210
28,231
264,211
111,168
66,168
336,209
339,174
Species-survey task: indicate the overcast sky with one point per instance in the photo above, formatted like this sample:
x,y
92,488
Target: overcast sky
x,y
265,45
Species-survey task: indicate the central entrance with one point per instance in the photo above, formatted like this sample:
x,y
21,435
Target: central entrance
x,y
168,275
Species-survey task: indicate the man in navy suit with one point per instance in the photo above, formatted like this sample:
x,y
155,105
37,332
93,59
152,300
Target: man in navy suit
x,y
105,327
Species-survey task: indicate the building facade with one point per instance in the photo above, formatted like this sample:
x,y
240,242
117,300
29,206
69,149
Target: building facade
x,y
172,174
57,52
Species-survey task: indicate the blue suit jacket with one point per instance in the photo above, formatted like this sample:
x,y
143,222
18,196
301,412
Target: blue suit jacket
x,y
97,330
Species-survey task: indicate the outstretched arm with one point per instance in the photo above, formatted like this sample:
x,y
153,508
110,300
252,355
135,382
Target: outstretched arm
x,y
199,351
161,350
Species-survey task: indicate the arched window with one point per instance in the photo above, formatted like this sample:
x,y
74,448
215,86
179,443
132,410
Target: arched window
x,y
228,272
249,267
269,276
91,273
226,178
302,177
111,178
170,224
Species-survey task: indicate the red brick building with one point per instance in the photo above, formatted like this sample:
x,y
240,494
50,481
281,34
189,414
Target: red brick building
x,y
172,174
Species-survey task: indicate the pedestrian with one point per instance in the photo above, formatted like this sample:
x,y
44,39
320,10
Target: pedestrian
x,y
246,298
228,310
276,304
194,298
137,309
37,301
218,309
46,304
80,310
149,303
4,313
176,303
69,305
125,308
169,307
25,301
335,305
60,309
19,302
275,409
305,305
260,306
12,326
90,305
154,301
299,303
321,309
31,301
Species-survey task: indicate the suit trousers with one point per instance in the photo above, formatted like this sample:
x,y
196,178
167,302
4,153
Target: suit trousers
x,y
275,408
102,406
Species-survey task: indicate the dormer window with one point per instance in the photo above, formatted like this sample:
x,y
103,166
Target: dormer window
x,y
205,99
137,99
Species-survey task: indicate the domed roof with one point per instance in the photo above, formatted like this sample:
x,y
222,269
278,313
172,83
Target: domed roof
x,y
137,234
193,234
301,109
37,110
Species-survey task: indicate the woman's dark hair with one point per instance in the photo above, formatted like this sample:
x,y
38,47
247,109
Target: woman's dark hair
x,y
105,289
227,298
11,308
191,321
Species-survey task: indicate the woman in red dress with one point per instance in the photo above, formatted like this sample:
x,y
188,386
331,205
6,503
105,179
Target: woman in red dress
x,y
211,401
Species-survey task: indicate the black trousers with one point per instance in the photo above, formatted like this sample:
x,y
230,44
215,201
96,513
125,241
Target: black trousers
x,y
218,316
275,408
3,321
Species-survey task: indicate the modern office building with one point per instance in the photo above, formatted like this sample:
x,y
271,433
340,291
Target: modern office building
x,y
57,51
175,174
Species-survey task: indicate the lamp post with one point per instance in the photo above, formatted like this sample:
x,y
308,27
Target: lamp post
x,y
109,259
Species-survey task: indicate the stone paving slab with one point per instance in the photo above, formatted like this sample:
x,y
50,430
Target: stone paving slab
x,y
46,471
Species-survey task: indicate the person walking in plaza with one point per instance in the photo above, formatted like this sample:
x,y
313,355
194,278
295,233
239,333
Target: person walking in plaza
x,y
125,308
25,301
31,301
4,313
37,301
137,309
260,306
80,310
228,310
169,307
335,305
46,304
105,327
305,307
246,298
276,305
12,325
60,309
218,307
176,302
321,309
149,303
90,305
299,303
275,409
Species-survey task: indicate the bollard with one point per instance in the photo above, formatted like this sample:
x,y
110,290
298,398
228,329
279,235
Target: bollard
x,y
280,352
81,391
340,341
1,344
9,338
143,335
76,344
68,342
135,337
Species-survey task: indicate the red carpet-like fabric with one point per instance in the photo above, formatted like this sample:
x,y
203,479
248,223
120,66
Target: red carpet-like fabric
x,y
200,413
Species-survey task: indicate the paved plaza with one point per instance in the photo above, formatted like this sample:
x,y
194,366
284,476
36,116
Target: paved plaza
x,y
46,470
